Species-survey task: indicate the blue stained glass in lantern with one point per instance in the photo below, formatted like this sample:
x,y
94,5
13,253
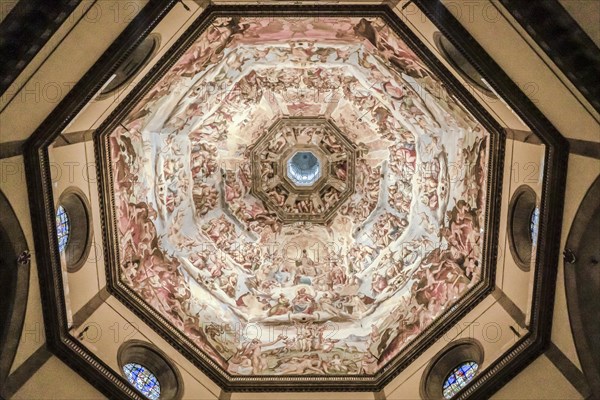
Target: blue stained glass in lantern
x,y
143,380
459,378
63,228
304,168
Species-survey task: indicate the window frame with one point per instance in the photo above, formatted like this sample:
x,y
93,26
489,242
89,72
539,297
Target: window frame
x,y
156,362
445,362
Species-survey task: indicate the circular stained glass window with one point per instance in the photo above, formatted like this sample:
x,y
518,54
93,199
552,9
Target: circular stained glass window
x,y
304,168
143,380
63,228
459,378
534,222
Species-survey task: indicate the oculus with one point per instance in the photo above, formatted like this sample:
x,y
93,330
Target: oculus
x,y
459,378
143,380
523,222
304,169
74,228
149,370
451,370
63,227
534,222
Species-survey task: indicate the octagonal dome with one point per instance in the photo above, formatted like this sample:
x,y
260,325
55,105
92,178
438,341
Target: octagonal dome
x,y
266,277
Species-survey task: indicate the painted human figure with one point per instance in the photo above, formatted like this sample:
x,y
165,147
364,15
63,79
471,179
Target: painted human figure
x,y
473,271
336,365
253,351
281,307
305,269
303,302
368,364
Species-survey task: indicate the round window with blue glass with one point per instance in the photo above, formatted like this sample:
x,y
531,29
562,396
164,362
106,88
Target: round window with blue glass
x,y
459,378
143,380
304,168
63,228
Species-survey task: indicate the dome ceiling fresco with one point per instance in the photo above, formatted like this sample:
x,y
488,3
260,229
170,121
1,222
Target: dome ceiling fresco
x,y
299,196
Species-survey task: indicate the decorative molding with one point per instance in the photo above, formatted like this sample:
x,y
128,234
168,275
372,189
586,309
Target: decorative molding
x,y
580,147
157,362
